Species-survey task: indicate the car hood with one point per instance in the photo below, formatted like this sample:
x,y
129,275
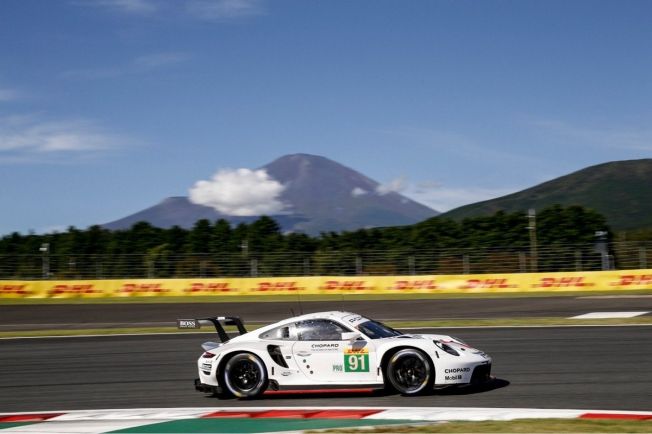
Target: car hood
x,y
444,338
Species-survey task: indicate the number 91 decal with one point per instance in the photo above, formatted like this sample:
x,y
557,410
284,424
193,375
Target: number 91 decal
x,y
356,362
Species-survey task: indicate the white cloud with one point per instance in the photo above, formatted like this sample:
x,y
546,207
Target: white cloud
x,y
240,192
24,136
634,138
396,185
139,65
7,95
219,10
207,10
462,145
135,7
357,192
443,198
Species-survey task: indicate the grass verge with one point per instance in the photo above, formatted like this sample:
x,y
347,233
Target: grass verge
x,y
453,323
515,426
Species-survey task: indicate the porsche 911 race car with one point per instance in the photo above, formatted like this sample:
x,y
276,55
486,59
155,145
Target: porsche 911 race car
x,y
332,351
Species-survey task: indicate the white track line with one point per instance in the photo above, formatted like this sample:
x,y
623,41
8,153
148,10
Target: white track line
x,y
609,315
402,328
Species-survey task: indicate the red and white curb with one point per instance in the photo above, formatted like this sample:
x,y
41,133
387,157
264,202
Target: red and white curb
x,y
103,421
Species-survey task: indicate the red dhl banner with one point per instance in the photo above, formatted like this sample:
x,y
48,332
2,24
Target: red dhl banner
x,y
432,284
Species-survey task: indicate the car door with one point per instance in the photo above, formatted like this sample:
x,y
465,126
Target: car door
x,y
324,357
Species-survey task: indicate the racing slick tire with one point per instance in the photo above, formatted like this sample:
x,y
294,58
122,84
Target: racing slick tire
x,y
410,372
245,376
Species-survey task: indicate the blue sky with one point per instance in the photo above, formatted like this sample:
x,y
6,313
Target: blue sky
x,y
109,106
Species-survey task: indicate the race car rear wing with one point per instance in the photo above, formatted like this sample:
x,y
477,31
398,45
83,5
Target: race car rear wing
x,y
218,322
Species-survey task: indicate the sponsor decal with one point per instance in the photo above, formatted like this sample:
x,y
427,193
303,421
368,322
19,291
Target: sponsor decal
x,y
14,289
206,366
80,289
406,285
356,358
337,368
143,288
208,288
187,324
633,279
345,285
487,283
562,282
452,377
325,347
277,286
287,373
456,370
357,348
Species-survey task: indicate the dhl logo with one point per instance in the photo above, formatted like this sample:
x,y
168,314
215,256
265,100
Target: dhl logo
x,y
633,279
209,287
487,283
356,350
345,285
403,285
14,289
146,288
562,282
73,289
277,286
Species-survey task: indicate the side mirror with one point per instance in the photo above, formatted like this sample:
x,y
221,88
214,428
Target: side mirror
x,y
350,336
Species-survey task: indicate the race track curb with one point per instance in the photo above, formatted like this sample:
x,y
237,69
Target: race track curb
x,y
264,419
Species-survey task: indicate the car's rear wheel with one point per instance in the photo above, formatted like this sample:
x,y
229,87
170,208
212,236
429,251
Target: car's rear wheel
x,y
410,372
245,375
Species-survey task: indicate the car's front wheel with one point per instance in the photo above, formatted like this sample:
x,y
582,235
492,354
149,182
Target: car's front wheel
x,y
410,372
245,375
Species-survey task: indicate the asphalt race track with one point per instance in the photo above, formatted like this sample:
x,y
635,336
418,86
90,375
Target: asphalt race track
x,y
64,316
561,367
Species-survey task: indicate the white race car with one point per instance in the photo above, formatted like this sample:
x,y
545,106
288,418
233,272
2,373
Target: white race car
x,y
332,351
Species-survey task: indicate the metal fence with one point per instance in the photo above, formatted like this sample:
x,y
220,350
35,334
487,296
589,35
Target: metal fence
x,y
623,255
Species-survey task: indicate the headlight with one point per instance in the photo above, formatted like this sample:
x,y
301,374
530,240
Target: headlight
x,y
444,347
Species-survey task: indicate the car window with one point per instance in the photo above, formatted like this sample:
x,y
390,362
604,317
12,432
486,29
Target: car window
x,y
281,333
320,330
377,330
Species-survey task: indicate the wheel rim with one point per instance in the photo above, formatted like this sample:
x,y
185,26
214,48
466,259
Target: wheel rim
x,y
245,375
409,373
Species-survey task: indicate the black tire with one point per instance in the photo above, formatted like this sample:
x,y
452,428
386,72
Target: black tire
x,y
410,372
245,376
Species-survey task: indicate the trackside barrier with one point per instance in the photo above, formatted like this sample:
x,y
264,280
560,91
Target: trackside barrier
x,y
432,284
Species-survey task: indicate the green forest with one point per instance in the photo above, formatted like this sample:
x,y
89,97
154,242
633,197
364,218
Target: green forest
x,y
502,242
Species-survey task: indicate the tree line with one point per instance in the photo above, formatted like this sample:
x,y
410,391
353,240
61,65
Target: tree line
x,y
218,248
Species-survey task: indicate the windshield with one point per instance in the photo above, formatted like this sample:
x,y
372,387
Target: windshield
x,y
376,330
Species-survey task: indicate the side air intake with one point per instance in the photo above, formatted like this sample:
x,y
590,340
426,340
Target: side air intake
x,y
276,355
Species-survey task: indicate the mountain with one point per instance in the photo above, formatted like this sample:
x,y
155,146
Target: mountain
x,y
620,190
321,194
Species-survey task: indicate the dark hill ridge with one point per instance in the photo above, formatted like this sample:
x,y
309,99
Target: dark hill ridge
x,y
620,190
319,193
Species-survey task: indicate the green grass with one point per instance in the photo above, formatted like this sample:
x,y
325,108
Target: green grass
x,y
309,297
452,323
516,426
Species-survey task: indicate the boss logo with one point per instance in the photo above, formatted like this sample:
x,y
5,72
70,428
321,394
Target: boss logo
x,y
187,324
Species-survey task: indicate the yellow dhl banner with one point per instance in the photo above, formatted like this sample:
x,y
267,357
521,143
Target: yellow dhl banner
x,y
431,284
